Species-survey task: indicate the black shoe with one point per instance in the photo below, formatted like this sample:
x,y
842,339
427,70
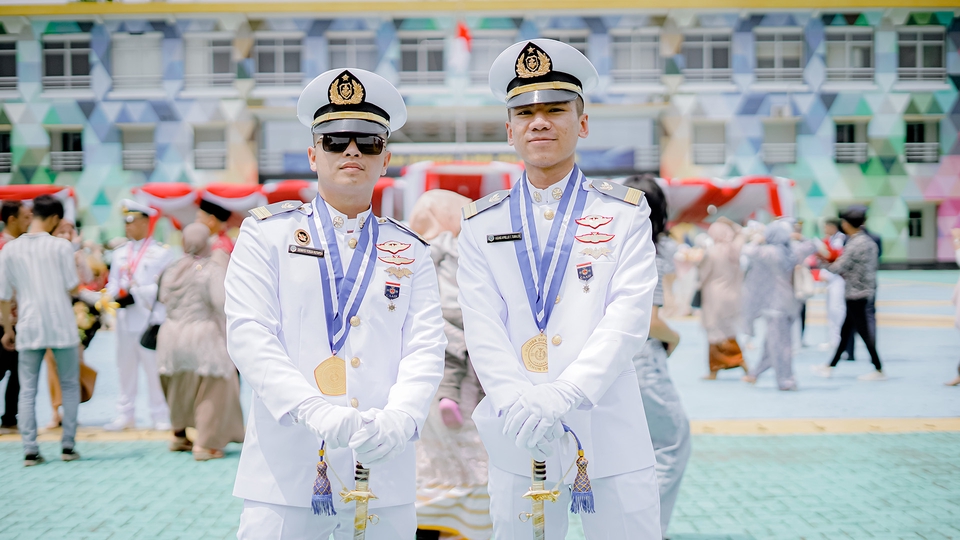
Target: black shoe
x,y
68,454
30,460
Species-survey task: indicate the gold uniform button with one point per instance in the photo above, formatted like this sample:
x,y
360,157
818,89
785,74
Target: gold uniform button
x,y
355,362
548,215
557,301
354,321
352,243
557,340
354,403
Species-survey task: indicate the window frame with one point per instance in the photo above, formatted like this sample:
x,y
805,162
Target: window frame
x,y
922,74
846,73
636,75
67,81
279,77
9,82
209,79
778,73
423,75
6,157
707,149
480,76
708,74
123,82
927,150
210,151
137,156
351,48
564,34
65,160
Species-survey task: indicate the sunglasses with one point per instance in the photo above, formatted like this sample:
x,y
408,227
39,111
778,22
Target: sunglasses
x,y
370,145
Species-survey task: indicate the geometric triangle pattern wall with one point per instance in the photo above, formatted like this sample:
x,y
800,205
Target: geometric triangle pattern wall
x,y
886,181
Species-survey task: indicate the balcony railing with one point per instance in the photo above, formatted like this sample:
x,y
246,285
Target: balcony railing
x,y
647,158
140,157
635,76
271,161
923,152
921,74
850,152
778,74
209,80
707,75
210,158
5,162
425,78
278,79
779,152
66,161
850,74
8,83
709,154
61,82
137,82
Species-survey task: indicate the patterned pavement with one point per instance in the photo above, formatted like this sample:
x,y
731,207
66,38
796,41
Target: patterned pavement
x,y
838,459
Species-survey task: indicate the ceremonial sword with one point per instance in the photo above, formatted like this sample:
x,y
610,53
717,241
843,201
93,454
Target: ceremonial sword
x,y
362,495
537,495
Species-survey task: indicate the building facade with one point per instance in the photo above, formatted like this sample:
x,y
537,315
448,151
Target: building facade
x,y
856,106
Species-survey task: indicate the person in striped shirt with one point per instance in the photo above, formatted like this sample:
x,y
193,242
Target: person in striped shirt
x,y
39,268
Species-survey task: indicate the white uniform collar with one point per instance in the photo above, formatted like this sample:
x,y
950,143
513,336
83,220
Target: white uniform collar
x,y
551,194
343,224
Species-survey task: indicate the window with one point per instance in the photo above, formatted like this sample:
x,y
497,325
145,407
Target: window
x,y
636,57
67,151
779,56
485,47
421,59
209,61
921,55
445,131
915,224
66,61
578,39
922,144
278,60
139,152
4,151
706,57
849,54
851,143
779,142
209,148
709,144
137,61
8,64
352,50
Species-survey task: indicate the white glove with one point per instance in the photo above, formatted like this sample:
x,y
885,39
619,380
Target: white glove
x,y
332,423
535,418
384,438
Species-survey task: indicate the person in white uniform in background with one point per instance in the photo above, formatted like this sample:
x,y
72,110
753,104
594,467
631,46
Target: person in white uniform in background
x,y
836,303
556,286
333,318
134,272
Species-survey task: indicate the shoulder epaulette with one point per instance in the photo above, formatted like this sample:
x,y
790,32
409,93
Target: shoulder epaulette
x,y
485,203
626,194
404,228
263,212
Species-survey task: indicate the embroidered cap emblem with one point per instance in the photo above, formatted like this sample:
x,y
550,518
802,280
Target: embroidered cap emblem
x,y
346,90
532,62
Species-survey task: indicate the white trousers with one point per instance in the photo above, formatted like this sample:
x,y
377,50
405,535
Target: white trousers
x,y
265,521
836,309
627,507
131,356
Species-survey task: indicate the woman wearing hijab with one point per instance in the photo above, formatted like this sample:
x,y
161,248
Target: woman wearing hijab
x,y
451,460
721,283
776,302
669,427
199,379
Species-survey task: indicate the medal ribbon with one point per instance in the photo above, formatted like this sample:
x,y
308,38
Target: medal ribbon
x,y
545,270
346,290
133,261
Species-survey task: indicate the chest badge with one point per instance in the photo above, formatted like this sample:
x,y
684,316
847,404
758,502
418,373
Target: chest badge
x,y
595,238
585,274
595,252
392,292
398,272
594,221
393,247
302,237
397,260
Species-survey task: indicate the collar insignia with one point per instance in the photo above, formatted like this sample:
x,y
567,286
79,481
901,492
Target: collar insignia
x,y
346,90
533,62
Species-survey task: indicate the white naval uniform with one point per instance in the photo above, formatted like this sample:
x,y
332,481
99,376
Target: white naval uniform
x,y
133,320
592,337
277,336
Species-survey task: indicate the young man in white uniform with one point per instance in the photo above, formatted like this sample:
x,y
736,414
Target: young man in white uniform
x,y
333,318
553,342
134,271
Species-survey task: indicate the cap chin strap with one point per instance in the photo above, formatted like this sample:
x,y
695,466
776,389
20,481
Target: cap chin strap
x,y
553,85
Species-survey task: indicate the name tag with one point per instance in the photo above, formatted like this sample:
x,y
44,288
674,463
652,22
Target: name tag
x,y
508,237
303,250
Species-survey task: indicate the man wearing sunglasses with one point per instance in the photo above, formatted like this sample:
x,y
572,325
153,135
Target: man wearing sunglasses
x,y
333,316
556,286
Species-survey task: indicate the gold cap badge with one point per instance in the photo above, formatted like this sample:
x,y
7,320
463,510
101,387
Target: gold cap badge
x,y
346,90
533,62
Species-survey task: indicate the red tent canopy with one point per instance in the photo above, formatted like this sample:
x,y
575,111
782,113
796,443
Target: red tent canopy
x,y
287,190
693,200
26,192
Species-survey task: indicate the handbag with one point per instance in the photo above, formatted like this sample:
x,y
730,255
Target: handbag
x,y
88,379
149,338
697,299
803,285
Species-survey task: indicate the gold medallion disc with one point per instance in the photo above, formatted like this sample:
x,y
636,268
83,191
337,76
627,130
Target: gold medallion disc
x,y
534,354
331,376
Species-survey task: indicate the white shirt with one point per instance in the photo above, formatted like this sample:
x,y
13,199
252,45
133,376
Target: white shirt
x,y
545,203
41,270
139,279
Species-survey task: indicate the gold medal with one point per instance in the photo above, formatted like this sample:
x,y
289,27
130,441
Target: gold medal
x,y
534,354
331,376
